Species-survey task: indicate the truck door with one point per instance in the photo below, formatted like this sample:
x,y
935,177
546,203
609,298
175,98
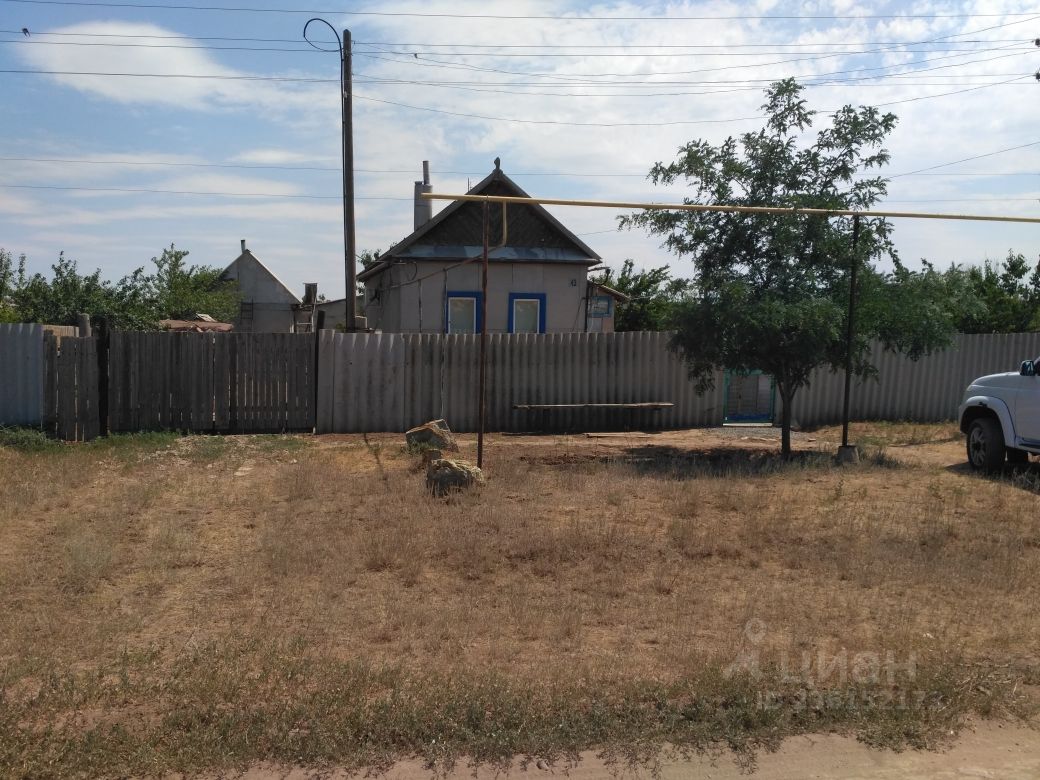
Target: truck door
x,y
1027,408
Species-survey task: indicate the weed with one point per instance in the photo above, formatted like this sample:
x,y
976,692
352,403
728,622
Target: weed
x,y
26,440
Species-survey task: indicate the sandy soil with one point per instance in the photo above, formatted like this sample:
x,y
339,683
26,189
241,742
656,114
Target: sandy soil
x,y
990,751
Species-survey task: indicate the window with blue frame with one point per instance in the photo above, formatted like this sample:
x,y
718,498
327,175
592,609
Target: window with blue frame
x,y
527,312
462,311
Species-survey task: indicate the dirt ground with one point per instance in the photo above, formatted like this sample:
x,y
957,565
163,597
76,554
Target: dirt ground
x,y
988,751
610,559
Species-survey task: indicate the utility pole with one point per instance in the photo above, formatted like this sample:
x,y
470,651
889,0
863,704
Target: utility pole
x,y
346,91
349,235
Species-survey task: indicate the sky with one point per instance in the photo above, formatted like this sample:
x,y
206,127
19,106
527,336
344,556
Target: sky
x,y
578,100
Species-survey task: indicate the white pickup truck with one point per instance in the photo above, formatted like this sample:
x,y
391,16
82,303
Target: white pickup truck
x,y
1000,416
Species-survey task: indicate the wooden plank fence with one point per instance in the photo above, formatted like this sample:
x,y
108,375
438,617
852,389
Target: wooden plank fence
x,y
211,382
70,386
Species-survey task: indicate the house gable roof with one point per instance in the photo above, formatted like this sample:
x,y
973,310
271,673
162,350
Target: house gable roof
x,y
534,235
248,258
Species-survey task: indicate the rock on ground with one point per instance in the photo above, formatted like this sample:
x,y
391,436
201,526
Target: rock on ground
x,y
434,435
444,476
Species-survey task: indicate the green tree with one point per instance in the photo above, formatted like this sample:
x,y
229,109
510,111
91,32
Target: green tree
x,y
60,299
12,277
997,297
178,291
771,290
654,296
137,301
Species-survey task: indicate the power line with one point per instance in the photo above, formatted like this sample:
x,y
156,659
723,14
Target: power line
x,y
29,42
533,174
168,75
189,192
965,159
158,163
641,55
557,121
429,15
585,77
484,117
498,46
22,41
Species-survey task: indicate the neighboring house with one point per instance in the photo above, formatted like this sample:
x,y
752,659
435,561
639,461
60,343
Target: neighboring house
x,y
603,301
430,282
336,311
267,304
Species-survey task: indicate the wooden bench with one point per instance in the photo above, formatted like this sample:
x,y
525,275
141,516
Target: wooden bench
x,y
628,409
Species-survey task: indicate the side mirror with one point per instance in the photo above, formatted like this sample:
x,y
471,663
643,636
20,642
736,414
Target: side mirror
x,y
1028,368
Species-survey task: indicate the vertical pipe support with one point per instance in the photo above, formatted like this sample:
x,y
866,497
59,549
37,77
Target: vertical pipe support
x,y
482,390
850,332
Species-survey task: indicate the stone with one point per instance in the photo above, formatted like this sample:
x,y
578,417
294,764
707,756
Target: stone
x,y
433,435
848,454
445,476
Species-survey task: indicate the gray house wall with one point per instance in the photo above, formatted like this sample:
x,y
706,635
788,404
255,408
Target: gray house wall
x,y
403,307
269,300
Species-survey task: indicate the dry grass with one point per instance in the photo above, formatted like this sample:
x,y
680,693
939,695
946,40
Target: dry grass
x,y
629,566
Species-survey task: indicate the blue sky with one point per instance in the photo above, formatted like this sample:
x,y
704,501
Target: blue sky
x,y
620,94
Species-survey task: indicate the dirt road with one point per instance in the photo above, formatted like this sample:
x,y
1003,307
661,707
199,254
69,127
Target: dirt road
x,y
988,751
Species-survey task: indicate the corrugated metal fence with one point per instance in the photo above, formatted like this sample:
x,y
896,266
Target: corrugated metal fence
x,y
21,369
391,382
928,390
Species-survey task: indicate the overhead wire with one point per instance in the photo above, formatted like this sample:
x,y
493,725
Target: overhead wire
x,y
541,174
549,17
191,192
23,41
498,46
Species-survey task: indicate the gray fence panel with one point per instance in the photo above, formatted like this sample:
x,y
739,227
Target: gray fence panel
x,y
21,374
389,382
927,390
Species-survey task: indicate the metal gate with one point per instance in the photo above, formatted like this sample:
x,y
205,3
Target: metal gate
x,y
750,397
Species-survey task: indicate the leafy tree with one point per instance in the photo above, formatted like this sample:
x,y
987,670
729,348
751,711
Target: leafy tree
x,y
12,277
772,289
369,257
179,291
654,296
996,297
137,301
60,299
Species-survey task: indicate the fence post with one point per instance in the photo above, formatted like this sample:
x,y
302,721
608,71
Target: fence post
x,y
104,337
83,323
319,324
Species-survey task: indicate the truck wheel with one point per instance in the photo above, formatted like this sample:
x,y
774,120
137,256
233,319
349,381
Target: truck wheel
x,y
986,445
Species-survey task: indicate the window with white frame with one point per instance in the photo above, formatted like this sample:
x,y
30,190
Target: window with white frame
x,y
527,312
463,312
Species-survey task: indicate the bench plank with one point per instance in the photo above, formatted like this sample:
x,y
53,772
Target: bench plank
x,y
644,405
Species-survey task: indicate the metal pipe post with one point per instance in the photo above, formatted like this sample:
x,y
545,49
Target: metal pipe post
x,y
482,401
850,332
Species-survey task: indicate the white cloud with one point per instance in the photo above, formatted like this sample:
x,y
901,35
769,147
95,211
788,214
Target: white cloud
x,y
229,89
388,137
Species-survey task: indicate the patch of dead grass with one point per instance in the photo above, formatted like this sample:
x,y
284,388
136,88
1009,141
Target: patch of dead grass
x,y
618,562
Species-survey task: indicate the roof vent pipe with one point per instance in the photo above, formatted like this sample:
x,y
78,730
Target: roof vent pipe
x,y
423,208
243,246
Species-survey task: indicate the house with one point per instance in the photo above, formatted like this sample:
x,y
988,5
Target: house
x,y
335,312
268,306
430,281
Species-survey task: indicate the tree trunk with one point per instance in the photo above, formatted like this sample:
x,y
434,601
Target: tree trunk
x,y
785,419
